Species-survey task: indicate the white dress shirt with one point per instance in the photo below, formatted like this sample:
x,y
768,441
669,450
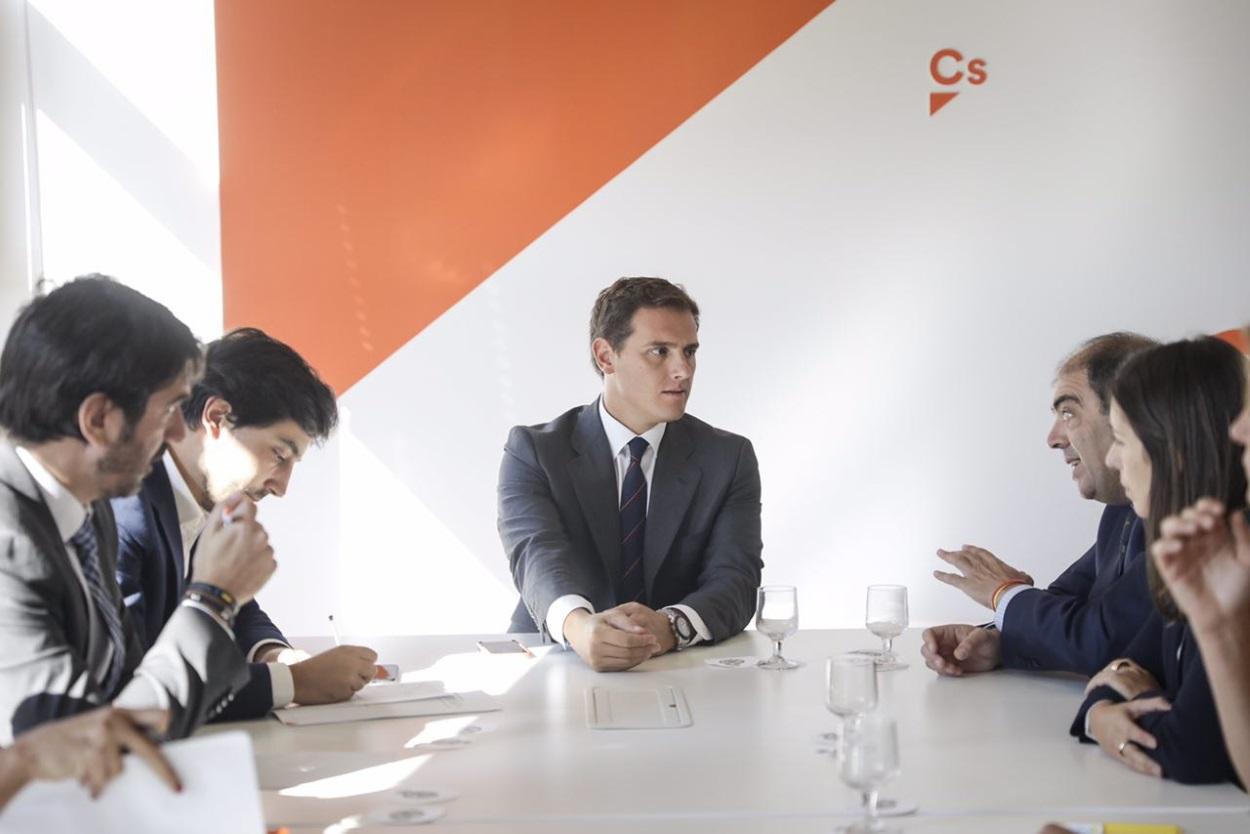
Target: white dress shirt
x,y
191,521
619,436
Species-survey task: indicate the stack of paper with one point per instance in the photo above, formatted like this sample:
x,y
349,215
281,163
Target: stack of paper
x,y
394,700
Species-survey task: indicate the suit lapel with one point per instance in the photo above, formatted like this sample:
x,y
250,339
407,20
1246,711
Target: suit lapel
x,y
157,485
594,478
14,475
673,483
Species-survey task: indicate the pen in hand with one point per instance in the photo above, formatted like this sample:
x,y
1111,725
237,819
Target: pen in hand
x,y
335,631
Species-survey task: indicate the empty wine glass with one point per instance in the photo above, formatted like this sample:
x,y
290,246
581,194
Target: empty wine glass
x,y
777,617
886,617
850,688
869,760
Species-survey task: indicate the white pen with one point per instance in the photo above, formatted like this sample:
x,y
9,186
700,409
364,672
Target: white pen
x,y
335,631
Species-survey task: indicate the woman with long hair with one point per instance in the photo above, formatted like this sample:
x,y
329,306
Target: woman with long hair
x,y
1203,554
1171,410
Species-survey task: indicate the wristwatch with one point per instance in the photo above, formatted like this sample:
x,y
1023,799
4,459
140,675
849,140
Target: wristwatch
x,y
683,629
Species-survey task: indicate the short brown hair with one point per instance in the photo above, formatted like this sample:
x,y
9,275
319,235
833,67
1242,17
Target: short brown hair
x,y
612,318
1100,358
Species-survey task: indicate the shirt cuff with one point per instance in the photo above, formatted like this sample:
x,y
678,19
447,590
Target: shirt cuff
x,y
268,641
1000,613
701,631
281,683
559,611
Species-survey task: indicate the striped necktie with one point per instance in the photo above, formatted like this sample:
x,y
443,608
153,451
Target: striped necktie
x,y
104,603
633,524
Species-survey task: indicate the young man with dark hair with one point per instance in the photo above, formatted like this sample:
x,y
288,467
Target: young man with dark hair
x,y
249,420
1089,614
91,382
631,527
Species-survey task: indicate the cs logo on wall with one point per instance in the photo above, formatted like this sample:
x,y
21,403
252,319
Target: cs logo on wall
x,y
949,69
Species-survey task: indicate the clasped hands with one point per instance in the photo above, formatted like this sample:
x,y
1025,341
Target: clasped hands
x,y
1114,726
619,638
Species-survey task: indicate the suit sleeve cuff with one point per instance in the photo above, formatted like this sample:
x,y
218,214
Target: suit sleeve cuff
x,y
212,615
1000,613
268,641
281,683
559,611
701,632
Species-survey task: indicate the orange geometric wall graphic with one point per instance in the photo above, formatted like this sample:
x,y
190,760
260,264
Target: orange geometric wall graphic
x,y
381,159
1236,338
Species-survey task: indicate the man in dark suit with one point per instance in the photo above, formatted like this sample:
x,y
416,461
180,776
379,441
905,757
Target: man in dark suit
x,y
631,527
249,420
91,380
1087,616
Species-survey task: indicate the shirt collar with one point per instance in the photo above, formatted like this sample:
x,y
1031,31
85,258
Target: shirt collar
x,y
189,510
68,513
619,434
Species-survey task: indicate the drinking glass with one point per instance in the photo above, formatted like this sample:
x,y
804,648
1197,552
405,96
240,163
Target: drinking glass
x,y
869,760
886,617
850,688
777,617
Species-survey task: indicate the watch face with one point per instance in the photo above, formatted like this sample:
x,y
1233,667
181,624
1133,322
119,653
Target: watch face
x,y
683,627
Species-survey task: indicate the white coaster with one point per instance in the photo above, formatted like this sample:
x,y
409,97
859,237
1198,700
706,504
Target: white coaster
x,y
477,728
416,815
422,796
733,662
449,743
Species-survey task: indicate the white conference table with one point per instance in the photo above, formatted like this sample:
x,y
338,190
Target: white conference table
x,y
983,753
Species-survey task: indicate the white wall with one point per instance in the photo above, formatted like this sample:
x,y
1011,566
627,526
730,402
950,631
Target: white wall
x,y
125,97
19,238
885,295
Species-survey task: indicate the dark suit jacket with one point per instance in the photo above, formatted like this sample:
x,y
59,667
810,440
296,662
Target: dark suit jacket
x,y
46,656
150,571
1087,616
1191,747
559,520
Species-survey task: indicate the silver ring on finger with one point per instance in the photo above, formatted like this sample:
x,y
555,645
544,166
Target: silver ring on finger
x,y
1123,744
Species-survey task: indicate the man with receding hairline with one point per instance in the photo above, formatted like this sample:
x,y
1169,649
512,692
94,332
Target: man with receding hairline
x,y
1089,614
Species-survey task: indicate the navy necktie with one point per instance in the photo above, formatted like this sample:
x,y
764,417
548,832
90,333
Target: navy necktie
x,y
104,603
633,524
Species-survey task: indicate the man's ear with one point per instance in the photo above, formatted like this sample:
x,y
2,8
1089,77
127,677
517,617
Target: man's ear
x,y
101,421
605,356
215,416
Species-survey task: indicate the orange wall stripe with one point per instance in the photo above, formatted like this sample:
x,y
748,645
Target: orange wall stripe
x,y
1236,338
381,159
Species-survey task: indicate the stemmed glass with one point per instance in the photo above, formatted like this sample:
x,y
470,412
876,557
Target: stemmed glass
x,y
886,617
777,617
850,688
869,760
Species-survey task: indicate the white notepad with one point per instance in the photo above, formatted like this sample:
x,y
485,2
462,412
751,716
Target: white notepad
x,y
636,709
219,793
385,706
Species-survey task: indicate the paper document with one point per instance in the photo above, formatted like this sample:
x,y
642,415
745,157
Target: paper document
x,y
636,709
365,710
391,693
219,793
